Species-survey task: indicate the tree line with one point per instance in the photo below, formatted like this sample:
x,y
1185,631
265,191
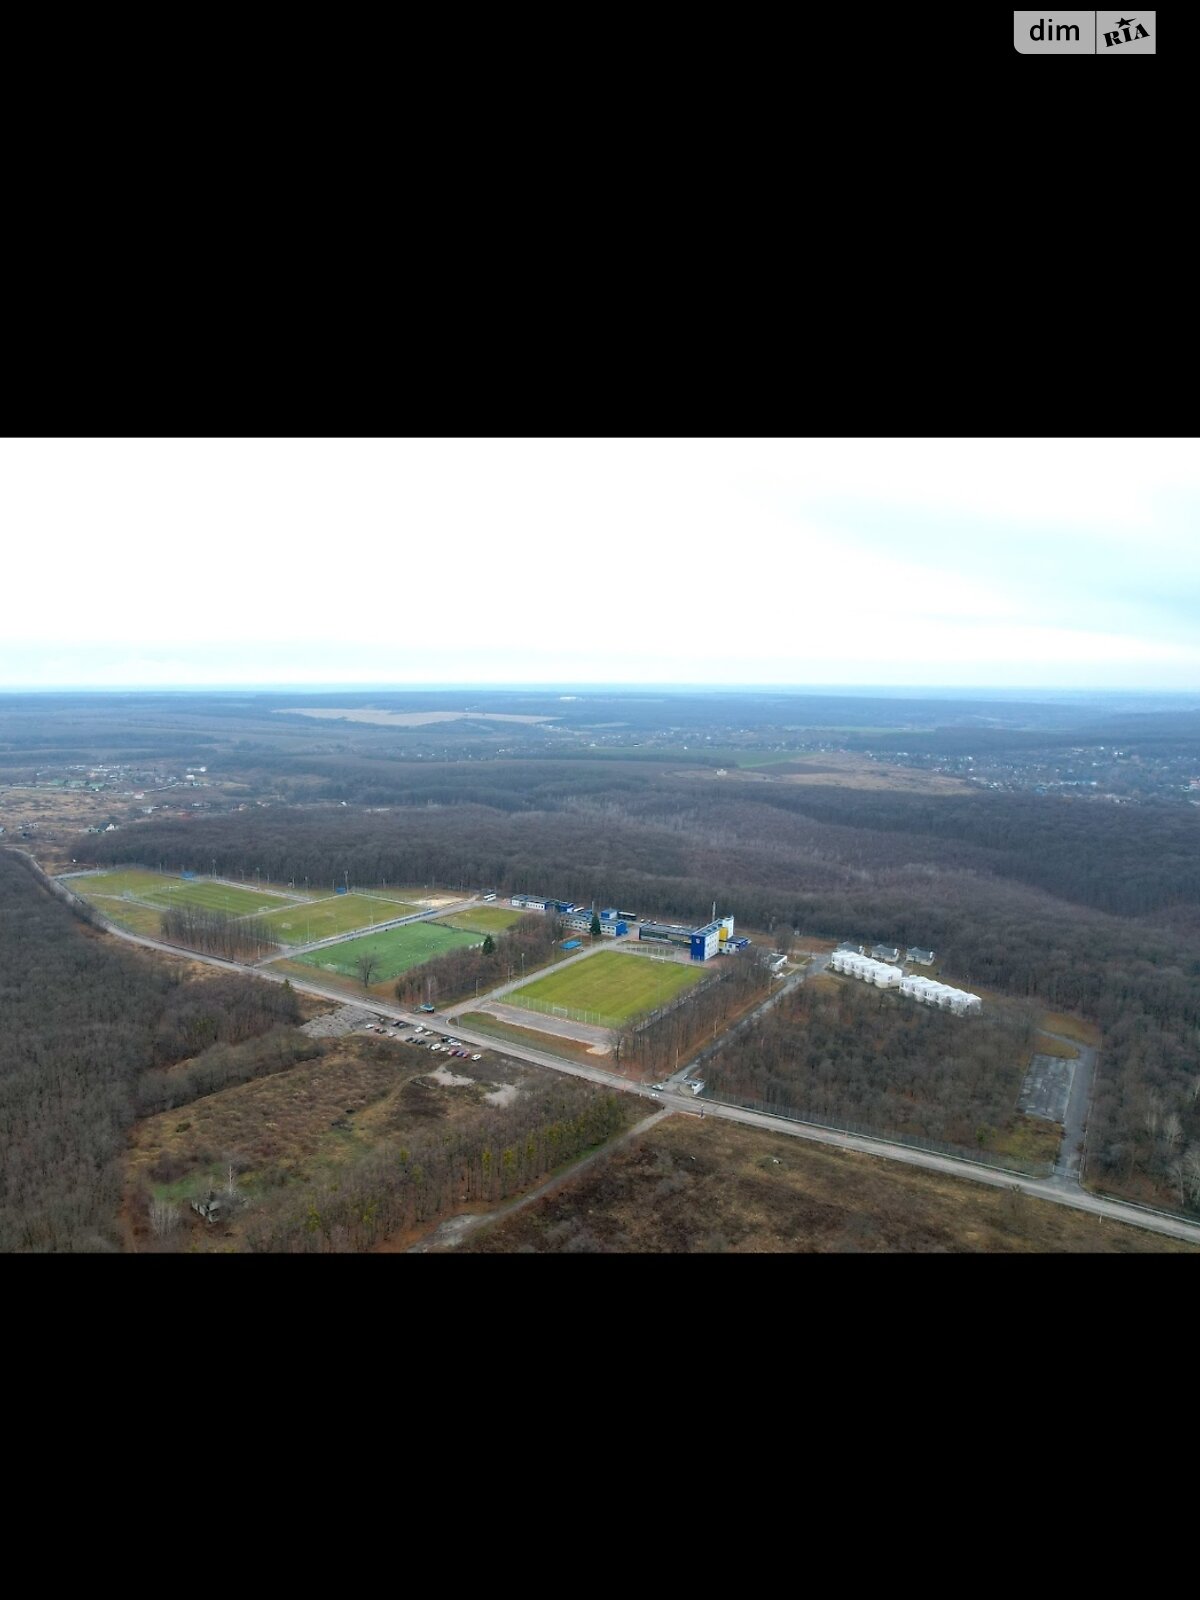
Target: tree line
x,y
1032,896
464,971
216,933
85,1018
667,1039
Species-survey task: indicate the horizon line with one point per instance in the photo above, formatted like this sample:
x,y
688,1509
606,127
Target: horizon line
x,y
560,685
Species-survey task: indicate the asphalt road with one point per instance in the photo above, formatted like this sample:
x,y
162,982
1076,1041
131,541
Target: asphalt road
x,y
1057,1190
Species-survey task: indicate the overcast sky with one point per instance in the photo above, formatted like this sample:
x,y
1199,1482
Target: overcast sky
x,y
903,562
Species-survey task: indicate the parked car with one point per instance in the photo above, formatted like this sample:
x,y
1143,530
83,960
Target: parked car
x,y
476,1058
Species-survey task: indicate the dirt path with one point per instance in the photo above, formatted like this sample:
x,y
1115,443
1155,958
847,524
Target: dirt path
x,y
454,1230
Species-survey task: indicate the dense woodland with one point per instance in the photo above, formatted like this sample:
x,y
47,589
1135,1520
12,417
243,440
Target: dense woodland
x,y
85,1020
849,1054
1069,904
1072,905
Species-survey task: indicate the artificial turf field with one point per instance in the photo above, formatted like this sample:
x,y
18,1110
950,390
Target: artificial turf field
x,y
612,986
397,950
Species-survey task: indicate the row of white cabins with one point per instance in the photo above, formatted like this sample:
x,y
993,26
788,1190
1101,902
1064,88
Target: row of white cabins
x,y
850,961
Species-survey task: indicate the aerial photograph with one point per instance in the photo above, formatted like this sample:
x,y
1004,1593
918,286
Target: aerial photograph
x,y
786,846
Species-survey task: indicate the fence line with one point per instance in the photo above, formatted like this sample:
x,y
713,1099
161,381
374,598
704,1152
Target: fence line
x,y
1017,1164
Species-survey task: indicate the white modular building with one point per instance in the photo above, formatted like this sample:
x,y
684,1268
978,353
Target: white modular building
x,y
943,995
884,976
855,966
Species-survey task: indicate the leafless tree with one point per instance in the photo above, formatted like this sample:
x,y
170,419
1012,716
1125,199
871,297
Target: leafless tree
x,y
1172,1130
1152,1115
366,966
164,1217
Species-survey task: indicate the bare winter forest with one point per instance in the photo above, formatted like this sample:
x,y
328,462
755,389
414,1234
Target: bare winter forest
x,y
1079,903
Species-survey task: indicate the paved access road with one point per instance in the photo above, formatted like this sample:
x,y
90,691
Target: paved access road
x,y
1056,1190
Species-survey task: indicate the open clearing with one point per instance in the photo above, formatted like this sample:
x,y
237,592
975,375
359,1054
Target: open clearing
x,y
690,1188
297,1130
396,950
340,913
612,985
408,719
847,771
483,919
1073,1027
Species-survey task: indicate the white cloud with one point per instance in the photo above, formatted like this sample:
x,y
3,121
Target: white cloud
x,y
689,560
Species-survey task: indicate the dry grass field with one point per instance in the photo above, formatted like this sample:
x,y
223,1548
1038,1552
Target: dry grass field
x,y
846,771
292,1124
1073,1027
1044,1045
712,1186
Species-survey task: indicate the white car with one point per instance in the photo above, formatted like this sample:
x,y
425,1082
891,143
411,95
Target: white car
x,y
476,1058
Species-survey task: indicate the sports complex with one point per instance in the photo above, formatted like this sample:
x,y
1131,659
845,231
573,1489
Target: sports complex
x,y
381,934
609,988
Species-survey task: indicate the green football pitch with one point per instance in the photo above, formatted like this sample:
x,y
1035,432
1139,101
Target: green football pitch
x,y
483,919
211,896
395,950
321,919
611,986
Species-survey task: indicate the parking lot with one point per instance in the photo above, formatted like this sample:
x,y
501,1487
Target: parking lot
x,y
1047,1088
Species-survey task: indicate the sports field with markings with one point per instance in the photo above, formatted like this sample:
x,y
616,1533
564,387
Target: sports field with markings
x,y
321,919
395,950
482,919
167,889
214,897
124,880
612,987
